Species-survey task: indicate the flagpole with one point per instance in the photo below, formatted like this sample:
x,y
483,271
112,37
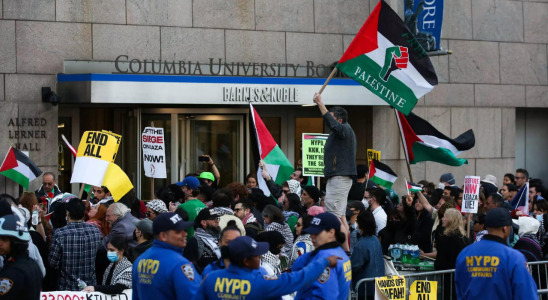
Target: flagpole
x,y
405,152
328,79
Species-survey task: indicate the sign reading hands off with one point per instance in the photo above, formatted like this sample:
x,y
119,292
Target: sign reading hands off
x,y
390,288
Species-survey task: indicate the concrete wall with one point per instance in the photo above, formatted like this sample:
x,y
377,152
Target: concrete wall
x,y
499,60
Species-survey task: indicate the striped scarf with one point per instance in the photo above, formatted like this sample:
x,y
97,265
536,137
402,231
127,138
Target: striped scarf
x,y
121,274
286,232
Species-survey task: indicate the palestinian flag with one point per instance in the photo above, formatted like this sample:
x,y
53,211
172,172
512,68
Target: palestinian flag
x,y
381,174
265,148
423,142
412,187
387,59
18,167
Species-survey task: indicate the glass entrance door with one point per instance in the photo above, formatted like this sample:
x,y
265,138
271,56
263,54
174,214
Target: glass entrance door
x,y
219,136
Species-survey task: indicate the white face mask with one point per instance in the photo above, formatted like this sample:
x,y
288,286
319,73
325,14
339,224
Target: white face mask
x,y
441,185
365,203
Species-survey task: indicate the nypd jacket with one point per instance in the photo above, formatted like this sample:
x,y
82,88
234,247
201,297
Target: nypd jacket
x,y
334,282
239,283
162,273
491,263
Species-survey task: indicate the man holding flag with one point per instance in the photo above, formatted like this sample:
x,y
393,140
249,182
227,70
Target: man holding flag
x,y
339,161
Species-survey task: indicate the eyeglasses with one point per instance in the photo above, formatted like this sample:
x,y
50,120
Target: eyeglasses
x,y
519,177
47,183
285,191
238,209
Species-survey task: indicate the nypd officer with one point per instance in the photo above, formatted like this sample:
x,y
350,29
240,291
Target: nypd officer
x,y
162,273
20,278
491,263
325,231
241,280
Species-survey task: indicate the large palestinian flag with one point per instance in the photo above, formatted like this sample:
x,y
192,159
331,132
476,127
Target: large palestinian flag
x,y
264,147
387,59
19,168
423,142
381,174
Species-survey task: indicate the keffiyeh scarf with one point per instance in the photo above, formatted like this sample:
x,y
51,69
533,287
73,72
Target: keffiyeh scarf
x,y
209,240
273,261
286,232
223,211
249,218
121,274
303,244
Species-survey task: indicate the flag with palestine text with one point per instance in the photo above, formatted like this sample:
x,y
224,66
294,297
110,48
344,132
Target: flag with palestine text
x,y
387,59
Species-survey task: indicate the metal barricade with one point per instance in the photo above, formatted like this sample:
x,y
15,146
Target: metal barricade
x,y
366,287
539,271
445,279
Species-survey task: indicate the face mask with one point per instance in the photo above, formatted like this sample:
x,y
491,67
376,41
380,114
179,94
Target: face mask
x,y
112,256
539,217
355,226
365,203
441,185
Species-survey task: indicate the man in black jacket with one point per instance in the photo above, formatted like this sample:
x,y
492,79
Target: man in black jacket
x,y
339,161
20,278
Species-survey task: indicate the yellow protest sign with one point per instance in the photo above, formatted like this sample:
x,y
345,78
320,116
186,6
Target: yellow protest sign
x,y
98,145
118,141
390,287
373,154
423,290
116,181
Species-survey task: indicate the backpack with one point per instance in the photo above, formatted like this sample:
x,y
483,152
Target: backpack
x,y
255,226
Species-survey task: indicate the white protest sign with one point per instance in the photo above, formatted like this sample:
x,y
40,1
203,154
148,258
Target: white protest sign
x,y
470,196
67,295
154,154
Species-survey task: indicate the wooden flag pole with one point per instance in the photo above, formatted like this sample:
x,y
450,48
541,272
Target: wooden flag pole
x,y
405,152
81,191
328,79
468,221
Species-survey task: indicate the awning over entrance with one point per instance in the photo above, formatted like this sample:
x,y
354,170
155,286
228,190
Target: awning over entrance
x,y
221,90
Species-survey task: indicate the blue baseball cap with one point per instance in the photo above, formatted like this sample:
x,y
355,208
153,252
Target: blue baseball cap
x,y
323,221
244,247
190,182
169,221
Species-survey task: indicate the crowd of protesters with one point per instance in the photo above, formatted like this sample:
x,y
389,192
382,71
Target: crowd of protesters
x,y
98,244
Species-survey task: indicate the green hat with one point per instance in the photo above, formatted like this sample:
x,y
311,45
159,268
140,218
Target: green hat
x,y
207,175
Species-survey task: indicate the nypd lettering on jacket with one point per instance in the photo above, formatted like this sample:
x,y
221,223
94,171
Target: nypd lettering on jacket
x,y
482,266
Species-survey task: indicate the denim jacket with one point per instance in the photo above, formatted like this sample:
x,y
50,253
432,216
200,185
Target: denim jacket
x,y
367,259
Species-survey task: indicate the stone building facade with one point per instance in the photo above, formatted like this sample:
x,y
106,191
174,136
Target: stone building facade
x,y
496,76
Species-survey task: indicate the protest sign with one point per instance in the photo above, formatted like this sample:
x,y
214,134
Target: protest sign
x,y
154,155
67,295
470,195
96,152
390,287
372,154
313,147
423,290
118,141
